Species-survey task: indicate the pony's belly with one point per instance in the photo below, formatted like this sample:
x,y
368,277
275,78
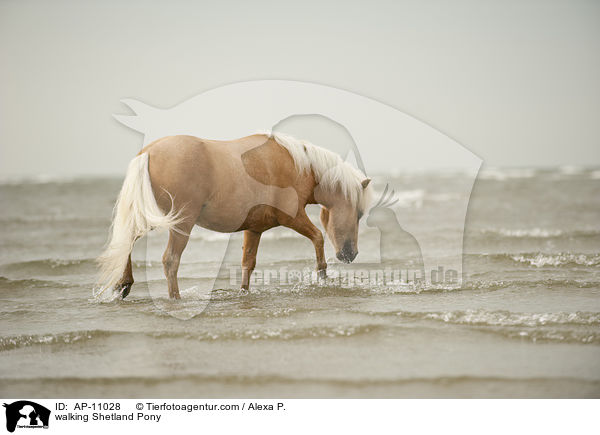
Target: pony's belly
x,y
219,225
257,218
224,217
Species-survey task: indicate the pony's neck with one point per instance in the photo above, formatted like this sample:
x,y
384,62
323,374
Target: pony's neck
x,y
323,196
327,168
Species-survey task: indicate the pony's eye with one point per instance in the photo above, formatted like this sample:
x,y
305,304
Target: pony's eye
x,y
360,214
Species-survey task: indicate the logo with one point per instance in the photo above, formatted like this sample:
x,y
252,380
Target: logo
x,y
26,414
413,236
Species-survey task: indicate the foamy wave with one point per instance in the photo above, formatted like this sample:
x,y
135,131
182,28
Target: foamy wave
x,y
575,327
42,179
571,170
18,284
584,337
277,333
15,342
50,266
541,260
558,327
443,197
57,218
541,233
267,333
323,385
35,179
505,174
508,318
257,312
482,317
531,232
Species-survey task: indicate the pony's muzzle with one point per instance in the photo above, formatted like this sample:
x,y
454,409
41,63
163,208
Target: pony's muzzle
x,y
347,254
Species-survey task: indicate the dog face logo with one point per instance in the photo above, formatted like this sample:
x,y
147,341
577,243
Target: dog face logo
x,y
26,414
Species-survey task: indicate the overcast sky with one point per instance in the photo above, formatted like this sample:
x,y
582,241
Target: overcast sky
x,y
516,82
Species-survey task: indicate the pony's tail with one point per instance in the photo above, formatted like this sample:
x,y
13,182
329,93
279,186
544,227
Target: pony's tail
x,y
135,214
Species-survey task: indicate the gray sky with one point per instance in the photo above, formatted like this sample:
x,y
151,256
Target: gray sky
x,y
517,82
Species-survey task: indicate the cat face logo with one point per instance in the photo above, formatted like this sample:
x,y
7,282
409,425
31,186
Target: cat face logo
x,y
26,414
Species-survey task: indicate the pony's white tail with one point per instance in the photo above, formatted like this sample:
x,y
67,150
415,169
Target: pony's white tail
x,y
135,214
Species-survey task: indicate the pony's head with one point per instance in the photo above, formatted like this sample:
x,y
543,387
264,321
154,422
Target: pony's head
x,y
341,189
340,216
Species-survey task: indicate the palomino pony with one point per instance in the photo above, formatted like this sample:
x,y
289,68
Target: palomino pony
x,y
250,184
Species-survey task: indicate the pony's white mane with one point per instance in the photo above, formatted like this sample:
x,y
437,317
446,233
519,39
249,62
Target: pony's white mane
x,y
329,169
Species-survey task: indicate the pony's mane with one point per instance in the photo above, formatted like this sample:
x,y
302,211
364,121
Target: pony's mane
x,y
330,171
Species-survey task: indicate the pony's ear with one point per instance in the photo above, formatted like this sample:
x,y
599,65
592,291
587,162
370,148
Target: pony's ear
x,y
365,182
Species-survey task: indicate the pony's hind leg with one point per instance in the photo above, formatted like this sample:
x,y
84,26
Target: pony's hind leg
x,y
178,239
124,285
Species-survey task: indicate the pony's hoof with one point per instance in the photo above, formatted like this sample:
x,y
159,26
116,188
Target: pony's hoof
x,y
244,292
322,274
125,289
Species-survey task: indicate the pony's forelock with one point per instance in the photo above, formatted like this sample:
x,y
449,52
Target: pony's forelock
x,y
330,171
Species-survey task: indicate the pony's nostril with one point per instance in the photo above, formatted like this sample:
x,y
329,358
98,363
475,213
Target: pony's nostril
x,y
347,254
351,256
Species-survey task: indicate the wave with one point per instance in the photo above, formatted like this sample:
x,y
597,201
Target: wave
x,y
503,318
87,221
574,327
276,333
548,283
10,284
53,266
539,233
58,266
259,312
496,318
577,327
317,290
556,335
43,179
498,174
563,259
539,259
571,169
18,341
72,337
269,379
35,179
325,290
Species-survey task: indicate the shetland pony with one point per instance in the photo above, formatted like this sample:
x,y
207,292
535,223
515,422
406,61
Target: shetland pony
x,y
250,184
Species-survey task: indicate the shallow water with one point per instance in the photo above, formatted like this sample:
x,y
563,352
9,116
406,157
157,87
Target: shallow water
x,y
525,322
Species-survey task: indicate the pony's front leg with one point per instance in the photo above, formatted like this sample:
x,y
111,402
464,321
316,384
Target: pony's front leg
x,y
303,225
249,250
